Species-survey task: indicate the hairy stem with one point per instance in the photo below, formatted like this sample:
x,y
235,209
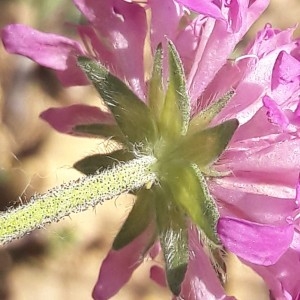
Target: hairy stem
x,y
75,196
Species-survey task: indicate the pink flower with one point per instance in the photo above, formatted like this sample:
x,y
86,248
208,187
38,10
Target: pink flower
x,y
254,180
282,277
263,158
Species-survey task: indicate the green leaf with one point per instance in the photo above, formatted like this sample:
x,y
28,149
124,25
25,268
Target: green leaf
x,y
156,92
101,130
176,112
177,77
173,235
137,221
91,164
210,210
188,190
204,147
203,119
131,114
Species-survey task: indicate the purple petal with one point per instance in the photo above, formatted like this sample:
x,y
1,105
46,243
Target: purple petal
x,y
258,243
207,8
117,33
64,119
186,42
294,117
285,79
296,241
271,39
236,14
257,127
297,198
296,218
286,70
164,21
155,250
158,275
282,278
260,170
232,12
275,114
251,76
118,266
255,207
47,49
215,46
73,75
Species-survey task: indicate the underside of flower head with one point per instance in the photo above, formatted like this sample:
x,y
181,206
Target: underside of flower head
x,y
255,200
184,150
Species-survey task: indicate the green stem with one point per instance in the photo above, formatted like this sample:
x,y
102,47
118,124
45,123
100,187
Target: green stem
x,y
75,196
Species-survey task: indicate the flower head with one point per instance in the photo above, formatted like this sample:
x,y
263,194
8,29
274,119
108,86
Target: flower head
x,y
164,130
226,162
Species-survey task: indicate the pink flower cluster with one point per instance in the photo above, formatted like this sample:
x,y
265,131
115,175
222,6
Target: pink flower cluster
x,y
258,197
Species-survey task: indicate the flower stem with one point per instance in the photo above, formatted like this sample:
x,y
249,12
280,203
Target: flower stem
x,y
75,196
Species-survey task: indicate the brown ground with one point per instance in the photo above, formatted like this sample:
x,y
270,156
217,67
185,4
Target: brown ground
x,y
62,261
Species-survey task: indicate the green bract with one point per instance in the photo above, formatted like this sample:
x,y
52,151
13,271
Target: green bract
x,y
184,151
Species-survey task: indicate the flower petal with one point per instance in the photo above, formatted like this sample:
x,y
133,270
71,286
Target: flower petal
x,y
258,243
117,34
164,21
158,275
296,241
64,119
286,69
257,208
209,53
207,8
257,128
259,170
275,114
47,49
285,79
282,278
118,266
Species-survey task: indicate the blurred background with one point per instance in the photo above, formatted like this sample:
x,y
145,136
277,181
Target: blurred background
x,y
63,260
